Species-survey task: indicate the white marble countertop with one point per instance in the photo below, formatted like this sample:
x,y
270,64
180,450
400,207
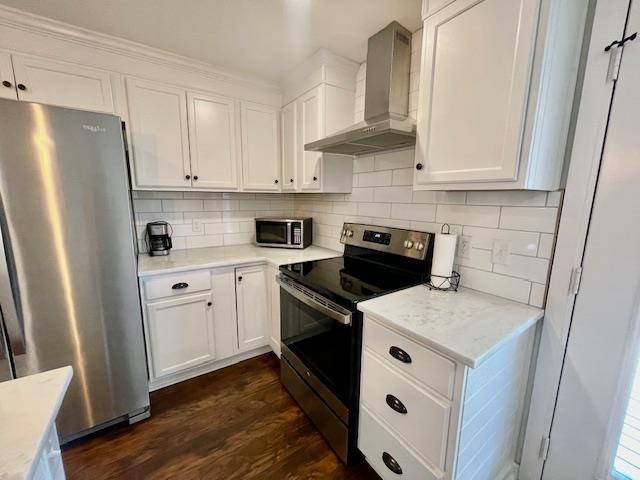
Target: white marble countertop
x,y
28,406
467,325
211,257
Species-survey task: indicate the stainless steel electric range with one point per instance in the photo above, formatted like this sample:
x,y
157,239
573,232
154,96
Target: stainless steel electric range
x,y
322,329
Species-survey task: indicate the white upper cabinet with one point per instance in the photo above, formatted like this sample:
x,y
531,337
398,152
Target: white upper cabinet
x,y
213,141
288,119
260,147
159,134
253,307
62,84
7,83
310,111
494,100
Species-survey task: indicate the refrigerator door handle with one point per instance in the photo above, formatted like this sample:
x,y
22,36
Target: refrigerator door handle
x,y
10,316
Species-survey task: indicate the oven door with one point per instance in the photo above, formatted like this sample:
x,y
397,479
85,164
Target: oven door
x,y
319,335
273,233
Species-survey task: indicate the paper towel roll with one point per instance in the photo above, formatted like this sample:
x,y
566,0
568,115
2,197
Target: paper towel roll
x,y
444,251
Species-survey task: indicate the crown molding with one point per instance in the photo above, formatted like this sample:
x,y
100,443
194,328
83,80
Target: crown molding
x,y
29,22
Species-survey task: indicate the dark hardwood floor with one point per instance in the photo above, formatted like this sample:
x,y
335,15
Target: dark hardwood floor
x,y
236,423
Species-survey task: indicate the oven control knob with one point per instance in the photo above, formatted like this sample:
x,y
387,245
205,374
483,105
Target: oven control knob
x,y
419,246
349,233
408,244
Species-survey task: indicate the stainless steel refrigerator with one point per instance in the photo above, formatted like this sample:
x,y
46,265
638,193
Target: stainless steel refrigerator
x,y
68,284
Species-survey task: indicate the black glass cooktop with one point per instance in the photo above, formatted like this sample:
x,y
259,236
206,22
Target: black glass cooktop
x,y
349,280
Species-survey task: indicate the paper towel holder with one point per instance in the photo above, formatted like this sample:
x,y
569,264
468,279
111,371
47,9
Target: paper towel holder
x,y
450,283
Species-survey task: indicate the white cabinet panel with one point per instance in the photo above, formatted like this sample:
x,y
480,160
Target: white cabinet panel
x,y
253,307
223,285
475,79
63,84
7,83
288,117
213,141
274,324
310,112
260,147
160,138
182,333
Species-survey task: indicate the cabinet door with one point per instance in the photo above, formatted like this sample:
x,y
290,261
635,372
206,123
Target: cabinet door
x,y
310,114
159,135
63,84
288,120
213,142
7,83
475,73
182,333
223,286
260,147
253,307
274,324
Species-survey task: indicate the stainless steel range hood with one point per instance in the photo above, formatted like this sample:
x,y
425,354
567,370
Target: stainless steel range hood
x,y
386,124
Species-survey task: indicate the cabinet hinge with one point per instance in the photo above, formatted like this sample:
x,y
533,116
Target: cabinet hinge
x,y
544,447
615,55
574,282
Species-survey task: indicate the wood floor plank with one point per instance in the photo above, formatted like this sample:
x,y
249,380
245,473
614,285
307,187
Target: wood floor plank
x,y
235,423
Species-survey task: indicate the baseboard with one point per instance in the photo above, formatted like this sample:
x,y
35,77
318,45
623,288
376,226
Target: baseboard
x,y
206,368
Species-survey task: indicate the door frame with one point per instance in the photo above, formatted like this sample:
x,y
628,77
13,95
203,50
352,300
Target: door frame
x,y
605,22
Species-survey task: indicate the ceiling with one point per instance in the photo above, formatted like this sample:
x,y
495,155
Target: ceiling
x,y
261,38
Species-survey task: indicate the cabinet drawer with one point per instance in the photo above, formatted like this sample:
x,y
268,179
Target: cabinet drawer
x,y
415,360
177,284
415,415
375,440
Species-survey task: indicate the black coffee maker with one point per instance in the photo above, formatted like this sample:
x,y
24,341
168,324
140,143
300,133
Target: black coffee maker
x,y
158,238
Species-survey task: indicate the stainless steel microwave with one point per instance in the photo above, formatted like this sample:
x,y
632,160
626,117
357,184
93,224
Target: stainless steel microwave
x,y
284,232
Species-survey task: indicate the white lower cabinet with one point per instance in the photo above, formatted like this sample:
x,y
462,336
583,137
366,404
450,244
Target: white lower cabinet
x,y
274,320
48,466
253,307
425,416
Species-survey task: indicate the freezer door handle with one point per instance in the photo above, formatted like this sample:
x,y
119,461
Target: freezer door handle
x,y
14,327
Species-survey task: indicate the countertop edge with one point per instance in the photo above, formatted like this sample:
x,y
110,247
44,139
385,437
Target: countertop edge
x,y
455,355
218,264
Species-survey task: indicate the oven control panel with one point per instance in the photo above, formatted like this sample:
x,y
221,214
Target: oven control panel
x,y
408,243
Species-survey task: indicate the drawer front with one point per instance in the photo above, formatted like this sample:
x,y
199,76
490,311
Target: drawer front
x,y
415,360
177,284
415,415
375,440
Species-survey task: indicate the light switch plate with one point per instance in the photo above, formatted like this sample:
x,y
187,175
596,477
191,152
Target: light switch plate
x,y
196,225
501,251
464,246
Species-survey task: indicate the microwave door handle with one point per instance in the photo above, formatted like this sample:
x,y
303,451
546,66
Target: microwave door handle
x,y
10,318
344,318
289,233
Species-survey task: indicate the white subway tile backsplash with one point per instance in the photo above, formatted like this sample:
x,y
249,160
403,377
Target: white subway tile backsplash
x,y
185,230
171,217
213,205
426,196
521,243
397,159
203,241
546,245
496,284
182,205
159,195
220,228
382,210
554,198
202,195
400,194
537,297
345,208
363,164
147,205
413,211
204,217
530,219
402,176
515,198
374,179
468,215
480,259
357,195
238,238
530,268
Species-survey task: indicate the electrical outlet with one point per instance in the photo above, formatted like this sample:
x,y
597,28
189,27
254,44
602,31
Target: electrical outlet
x,y
464,246
196,225
501,251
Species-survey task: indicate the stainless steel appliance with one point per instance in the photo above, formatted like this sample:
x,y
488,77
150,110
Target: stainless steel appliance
x,y
158,237
68,285
321,327
386,122
284,232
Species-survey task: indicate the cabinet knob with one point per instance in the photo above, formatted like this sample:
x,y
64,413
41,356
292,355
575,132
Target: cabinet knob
x,y
391,463
275,181
7,84
22,86
395,404
315,179
187,177
239,279
195,177
399,354
179,285
291,180
209,304
419,166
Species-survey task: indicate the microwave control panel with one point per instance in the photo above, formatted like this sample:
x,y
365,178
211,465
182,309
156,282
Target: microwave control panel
x,y
297,235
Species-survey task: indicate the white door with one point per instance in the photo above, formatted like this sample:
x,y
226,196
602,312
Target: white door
x,y
253,307
223,286
288,119
260,147
475,73
213,141
63,84
182,333
159,134
311,128
604,339
274,324
7,82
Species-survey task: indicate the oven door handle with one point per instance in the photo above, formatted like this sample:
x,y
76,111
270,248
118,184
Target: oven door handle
x,y
310,300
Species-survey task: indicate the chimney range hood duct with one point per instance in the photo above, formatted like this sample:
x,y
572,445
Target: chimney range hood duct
x,y
386,124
